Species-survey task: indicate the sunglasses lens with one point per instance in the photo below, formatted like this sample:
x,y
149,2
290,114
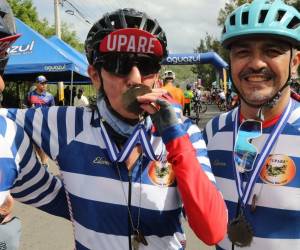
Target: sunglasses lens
x,y
244,152
121,64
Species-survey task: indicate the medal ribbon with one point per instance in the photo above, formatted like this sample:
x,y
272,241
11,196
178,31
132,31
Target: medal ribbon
x,y
139,136
244,193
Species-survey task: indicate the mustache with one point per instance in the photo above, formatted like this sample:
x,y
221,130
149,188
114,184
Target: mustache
x,y
263,71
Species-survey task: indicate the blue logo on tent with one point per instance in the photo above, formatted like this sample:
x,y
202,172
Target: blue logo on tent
x,y
55,68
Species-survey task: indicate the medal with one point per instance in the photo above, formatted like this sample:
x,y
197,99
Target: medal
x,y
253,203
138,238
240,231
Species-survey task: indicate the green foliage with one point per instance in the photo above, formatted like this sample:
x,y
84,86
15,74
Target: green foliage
x,y
26,11
207,72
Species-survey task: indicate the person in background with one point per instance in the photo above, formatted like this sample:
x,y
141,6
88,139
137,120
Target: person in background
x,y
176,93
80,100
67,95
188,96
39,97
254,149
132,162
73,93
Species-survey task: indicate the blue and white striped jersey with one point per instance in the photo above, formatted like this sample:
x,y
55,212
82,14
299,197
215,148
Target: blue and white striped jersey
x,y
19,165
276,219
97,194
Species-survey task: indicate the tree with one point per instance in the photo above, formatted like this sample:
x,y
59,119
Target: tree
x,y
207,72
26,11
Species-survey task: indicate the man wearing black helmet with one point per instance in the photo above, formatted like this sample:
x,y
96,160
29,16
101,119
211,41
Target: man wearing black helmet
x,y
129,163
253,149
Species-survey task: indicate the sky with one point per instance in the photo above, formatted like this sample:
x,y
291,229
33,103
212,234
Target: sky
x,y
185,22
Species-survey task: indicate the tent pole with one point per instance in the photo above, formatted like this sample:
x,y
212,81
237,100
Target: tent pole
x,y
71,99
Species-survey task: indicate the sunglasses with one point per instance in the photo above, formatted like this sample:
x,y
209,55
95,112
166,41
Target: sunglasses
x,y
245,152
120,64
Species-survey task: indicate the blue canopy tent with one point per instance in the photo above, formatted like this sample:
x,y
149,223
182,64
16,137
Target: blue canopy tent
x,y
69,49
32,54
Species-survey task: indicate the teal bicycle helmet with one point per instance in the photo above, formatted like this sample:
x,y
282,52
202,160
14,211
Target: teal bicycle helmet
x,y
260,18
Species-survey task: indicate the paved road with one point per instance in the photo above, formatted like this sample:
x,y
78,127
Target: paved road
x,y
45,232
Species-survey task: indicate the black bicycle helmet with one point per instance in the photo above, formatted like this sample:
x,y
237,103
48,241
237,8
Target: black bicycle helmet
x,y
121,19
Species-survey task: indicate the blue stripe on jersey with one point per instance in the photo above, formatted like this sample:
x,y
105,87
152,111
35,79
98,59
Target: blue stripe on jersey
x,y
106,216
80,247
42,195
34,171
61,126
79,121
271,222
173,132
45,131
196,137
7,169
3,126
60,207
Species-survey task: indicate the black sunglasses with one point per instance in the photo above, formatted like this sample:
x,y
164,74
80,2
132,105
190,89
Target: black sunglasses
x,y
120,64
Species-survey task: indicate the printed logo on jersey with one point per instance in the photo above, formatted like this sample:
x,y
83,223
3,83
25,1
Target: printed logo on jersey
x,y
278,170
161,173
101,160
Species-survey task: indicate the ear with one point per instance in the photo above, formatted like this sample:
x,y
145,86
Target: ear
x,y
295,62
94,75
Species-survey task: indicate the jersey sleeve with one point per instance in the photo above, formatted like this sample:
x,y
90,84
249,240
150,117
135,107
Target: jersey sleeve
x,y
50,128
22,175
203,203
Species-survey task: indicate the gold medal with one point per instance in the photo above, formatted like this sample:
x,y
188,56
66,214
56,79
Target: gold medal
x,y
129,98
240,232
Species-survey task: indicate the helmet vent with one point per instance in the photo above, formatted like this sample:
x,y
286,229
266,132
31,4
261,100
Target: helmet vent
x,y
232,20
245,17
262,16
280,15
294,23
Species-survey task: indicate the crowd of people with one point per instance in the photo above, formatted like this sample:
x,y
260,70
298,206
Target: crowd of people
x,y
132,164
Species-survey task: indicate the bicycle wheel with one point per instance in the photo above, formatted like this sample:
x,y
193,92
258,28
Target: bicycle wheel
x,y
203,107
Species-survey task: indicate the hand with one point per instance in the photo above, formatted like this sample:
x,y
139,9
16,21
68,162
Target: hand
x,y
157,105
6,209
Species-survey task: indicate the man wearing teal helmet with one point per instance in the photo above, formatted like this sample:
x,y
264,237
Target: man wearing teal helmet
x,y
252,147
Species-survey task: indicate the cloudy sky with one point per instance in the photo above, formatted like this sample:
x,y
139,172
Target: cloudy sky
x,y
184,21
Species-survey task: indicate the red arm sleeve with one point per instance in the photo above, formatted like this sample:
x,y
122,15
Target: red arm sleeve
x,y
203,203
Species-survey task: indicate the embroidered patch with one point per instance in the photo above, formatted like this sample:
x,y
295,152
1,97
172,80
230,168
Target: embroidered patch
x,y
131,40
278,170
161,174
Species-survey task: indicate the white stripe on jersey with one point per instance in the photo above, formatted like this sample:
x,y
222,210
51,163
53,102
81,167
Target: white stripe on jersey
x,y
108,242
52,122
268,195
37,123
264,244
214,142
33,181
295,115
166,201
93,240
222,120
6,151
